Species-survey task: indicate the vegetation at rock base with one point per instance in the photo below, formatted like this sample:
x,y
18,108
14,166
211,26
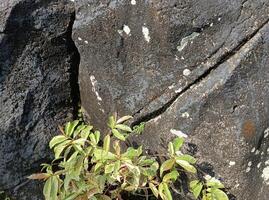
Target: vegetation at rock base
x,y
88,167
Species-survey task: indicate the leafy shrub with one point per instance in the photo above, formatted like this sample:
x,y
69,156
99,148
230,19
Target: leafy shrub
x,y
86,167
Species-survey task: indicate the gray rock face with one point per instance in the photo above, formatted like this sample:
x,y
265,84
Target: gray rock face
x,y
38,63
196,66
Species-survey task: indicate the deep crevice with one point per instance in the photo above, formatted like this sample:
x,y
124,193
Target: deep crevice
x,y
220,61
74,68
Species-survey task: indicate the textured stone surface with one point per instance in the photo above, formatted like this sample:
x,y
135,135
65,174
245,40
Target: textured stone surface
x,y
37,67
197,66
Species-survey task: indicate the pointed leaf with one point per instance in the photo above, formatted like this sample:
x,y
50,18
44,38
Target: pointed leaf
x,y
39,176
56,140
187,166
172,176
171,148
187,158
70,127
219,194
123,127
167,165
196,188
123,119
177,143
111,122
118,135
106,145
154,189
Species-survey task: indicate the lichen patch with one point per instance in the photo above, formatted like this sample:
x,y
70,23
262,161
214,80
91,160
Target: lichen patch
x,y
145,32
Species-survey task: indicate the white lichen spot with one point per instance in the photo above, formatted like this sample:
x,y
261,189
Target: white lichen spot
x,y
259,165
145,32
178,90
253,150
171,87
133,2
185,115
186,72
266,133
237,185
257,152
211,24
178,133
266,162
219,19
79,38
126,29
185,40
249,163
94,82
182,58
268,150
86,42
120,32
248,169
265,175
232,163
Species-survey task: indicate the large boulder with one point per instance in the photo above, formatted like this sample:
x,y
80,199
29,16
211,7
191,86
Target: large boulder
x,y
38,90
196,66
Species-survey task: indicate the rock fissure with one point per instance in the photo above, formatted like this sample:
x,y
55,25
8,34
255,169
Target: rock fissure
x,y
221,60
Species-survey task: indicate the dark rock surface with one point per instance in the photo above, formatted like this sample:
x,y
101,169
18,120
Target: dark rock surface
x,y
196,66
38,66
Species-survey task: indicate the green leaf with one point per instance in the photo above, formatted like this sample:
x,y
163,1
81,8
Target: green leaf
x,y
213,182
171,148
70,127
186,165
196,188
56,140
218,194
97,136
187,158
79,129
50,189
167,165
123,119
106,145
118,135
172,176
111,122
177,143
93,139
138,129
154,189
123,127
109,168
60,147
167,192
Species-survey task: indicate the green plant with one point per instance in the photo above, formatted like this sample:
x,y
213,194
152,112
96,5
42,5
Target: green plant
x,y
86,167
4,196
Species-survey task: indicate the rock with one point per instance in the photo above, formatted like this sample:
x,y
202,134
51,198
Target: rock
x,y
38,72
197,66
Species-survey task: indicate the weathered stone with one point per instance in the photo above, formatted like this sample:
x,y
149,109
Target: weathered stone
x,y
198,66
38,63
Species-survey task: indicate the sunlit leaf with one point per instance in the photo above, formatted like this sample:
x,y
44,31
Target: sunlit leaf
x,y
177,143
123,127
154,190
123,119
187,158
70,127
218,194
186,165
109,168
167,165
118,135
171,148
56,140
196,188
106,145
171,176
111,122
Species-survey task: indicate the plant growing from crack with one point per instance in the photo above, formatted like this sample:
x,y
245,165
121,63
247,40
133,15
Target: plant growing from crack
x,y
86,167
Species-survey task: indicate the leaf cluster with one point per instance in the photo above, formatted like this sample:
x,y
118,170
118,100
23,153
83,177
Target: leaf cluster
x,y
87,167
